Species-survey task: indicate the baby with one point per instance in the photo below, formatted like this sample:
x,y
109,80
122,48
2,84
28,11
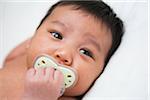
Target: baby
x,y
80,36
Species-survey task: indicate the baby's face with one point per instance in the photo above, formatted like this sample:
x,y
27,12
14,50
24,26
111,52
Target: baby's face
x,y
73,38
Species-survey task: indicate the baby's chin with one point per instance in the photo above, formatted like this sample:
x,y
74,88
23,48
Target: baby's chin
x,y
74,91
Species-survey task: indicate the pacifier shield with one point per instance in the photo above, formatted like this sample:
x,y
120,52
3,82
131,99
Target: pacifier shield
x,y
70,75
44,61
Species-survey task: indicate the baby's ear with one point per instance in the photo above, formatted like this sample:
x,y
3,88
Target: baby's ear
x,y
18,51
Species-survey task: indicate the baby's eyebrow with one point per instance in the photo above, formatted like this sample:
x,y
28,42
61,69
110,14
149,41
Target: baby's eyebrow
x,y
58,23
91,39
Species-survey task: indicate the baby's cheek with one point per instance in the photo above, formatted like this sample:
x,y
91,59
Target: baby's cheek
x,y
87,79
33,51
88,76
31,54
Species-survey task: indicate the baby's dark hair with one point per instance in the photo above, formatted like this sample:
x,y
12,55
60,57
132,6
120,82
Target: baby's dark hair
x,y
101,11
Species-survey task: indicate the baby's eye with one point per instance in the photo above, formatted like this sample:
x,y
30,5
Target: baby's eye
x,y
56,35
86,52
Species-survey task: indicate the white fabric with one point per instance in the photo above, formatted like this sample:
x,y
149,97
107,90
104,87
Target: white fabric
x,y
125,77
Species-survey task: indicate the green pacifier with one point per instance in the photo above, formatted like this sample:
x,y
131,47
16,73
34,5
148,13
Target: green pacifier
x,y
70,75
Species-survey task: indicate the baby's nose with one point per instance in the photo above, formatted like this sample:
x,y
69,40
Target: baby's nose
x,y
63,57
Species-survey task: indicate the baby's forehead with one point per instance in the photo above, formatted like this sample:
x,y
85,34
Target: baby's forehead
x,y
77,16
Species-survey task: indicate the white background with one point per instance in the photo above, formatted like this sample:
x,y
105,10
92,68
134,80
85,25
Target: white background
x,y
126,76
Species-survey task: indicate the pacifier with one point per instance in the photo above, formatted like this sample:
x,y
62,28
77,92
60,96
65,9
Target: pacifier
x,y
70,75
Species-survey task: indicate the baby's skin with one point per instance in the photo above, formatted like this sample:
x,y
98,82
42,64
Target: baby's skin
x,y
43,84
